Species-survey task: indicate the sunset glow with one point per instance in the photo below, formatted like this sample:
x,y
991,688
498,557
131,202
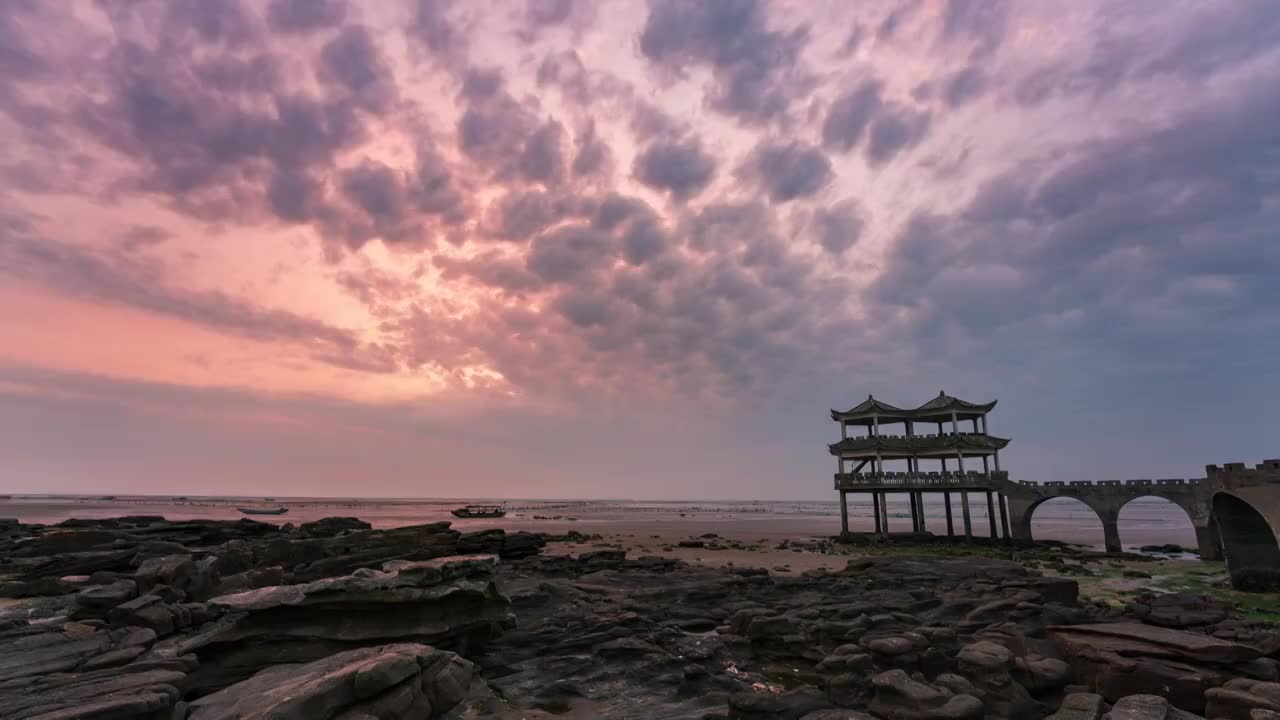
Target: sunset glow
x,y
626,249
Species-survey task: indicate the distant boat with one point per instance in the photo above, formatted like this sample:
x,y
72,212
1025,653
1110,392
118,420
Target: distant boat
x,y
263,511
480,511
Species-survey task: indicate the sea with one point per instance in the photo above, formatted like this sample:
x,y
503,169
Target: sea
x,y
1143,522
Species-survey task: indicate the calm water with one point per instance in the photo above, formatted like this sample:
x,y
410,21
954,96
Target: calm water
x,y
1144,521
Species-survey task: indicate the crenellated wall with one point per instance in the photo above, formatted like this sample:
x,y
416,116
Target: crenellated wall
x,y
1245,504
1107,497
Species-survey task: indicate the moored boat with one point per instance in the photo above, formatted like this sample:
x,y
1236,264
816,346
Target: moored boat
x,y
263,511
480,511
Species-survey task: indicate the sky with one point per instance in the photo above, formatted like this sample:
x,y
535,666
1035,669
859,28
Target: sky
x,y
627,249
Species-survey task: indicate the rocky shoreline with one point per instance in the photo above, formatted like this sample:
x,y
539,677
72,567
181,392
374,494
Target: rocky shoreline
x,y
138,617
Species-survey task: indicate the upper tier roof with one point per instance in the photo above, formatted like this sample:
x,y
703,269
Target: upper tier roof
x,y
939,409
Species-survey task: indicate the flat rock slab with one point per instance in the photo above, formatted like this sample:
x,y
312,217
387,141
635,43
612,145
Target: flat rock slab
x,y
404,680
1137,640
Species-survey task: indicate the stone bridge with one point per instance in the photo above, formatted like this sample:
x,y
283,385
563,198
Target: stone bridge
x,y
1246,511
1107,497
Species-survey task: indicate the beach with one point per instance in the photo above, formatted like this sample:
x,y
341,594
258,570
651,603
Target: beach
x,y
648,525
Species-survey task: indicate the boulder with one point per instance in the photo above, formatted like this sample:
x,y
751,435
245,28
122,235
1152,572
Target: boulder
x,y
1178,610
1147,707
1040,674
402,680
176,571
989,667
1240,698
899,697
749,705
1079,706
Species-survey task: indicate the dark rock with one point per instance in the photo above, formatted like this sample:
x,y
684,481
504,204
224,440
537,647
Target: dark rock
x,y
1165,549
39,587
100,598
989,667
451,603
1147,707
899,697
389,681
173,570
1257,579
1079,706
105,693
1240,698
330,526
1178,610
775,706
1121,659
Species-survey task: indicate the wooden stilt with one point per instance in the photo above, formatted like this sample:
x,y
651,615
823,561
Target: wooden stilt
x,y
946,498
991,514
844,515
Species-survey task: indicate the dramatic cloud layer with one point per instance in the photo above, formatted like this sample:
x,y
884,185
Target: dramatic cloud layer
x,y
579,248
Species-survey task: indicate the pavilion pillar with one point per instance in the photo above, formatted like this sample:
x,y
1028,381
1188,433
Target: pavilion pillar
x,y
946,497
985,470
844,431
844,515
915,514
995,458
964,512
1004,517
991,515
984,424
875,425
875,509
975,425
955,424
884,515
920,504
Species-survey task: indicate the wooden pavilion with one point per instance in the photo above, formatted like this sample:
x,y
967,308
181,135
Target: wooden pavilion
x,y
868,449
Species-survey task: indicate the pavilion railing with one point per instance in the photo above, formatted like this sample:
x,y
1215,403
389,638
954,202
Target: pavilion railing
x,y
845,481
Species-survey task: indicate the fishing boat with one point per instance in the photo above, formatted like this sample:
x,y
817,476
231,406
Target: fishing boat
x,y
263,511
480,511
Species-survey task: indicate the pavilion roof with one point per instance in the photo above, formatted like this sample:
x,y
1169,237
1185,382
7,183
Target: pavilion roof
x,y
938,409
890,447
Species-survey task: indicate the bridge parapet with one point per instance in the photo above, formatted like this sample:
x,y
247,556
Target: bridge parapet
x,y
1142,481
1175,481
921,480
1109,483
1081,483
1237,475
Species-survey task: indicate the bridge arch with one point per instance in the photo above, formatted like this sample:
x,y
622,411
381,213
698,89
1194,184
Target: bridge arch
x,y
1191,512
1061,501
1249,543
